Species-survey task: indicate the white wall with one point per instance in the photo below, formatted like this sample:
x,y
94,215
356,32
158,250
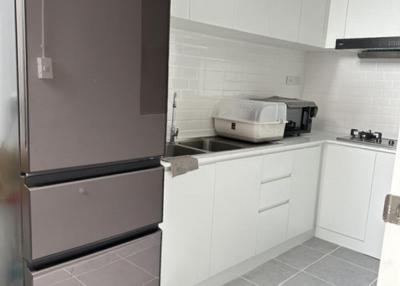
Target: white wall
x,y
204,68
353,92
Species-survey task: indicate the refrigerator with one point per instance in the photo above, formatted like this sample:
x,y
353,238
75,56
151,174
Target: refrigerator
x,y
89,122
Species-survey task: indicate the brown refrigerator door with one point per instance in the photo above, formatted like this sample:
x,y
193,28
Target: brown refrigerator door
x,y
63,217
107,99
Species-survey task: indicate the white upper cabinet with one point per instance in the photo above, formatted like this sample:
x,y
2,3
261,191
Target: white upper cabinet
x,y
313,22
336,22
373,18
180,8
214,12
283,19
252,16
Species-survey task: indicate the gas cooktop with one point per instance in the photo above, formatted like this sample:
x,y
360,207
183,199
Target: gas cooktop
x,y
369,138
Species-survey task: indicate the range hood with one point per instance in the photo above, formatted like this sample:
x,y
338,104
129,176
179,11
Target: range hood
x,y
384,47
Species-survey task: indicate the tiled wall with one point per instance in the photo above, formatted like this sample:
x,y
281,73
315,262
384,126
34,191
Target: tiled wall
x,y
354,93
204,69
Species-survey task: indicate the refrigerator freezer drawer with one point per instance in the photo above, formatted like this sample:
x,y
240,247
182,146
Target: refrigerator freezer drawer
x,y
134,263
62,217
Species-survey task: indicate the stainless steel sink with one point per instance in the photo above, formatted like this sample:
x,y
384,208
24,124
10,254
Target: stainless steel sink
x,y
174,150
211,145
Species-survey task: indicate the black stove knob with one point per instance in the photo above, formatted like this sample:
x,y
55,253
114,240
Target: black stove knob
x,y
378,137
391,142
354,132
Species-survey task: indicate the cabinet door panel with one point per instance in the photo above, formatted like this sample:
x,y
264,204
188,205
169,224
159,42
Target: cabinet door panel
x,y
346,183
188,207
304,189
373,18
380,188
272,227
284,19
313,22
218,13
251,16
235,212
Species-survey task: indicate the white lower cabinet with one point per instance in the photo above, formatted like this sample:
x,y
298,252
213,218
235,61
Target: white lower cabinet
x,y
188,209
346,181
304,191
354,183
237,185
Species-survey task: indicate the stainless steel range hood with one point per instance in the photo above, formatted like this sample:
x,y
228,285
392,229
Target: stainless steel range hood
x,y
384,47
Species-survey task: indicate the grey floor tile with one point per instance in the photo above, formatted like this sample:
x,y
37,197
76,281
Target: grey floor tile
x,y
341,273
270,274
375,283
300,257
320,245
358,258
119,273
155,282
303,279
239,282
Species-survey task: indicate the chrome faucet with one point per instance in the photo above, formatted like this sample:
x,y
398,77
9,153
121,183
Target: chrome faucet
x,y
174,131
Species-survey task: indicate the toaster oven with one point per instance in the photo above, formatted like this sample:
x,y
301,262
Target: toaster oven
x,y
299,114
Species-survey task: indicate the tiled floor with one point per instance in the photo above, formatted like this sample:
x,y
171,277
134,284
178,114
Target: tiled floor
x,y
314,263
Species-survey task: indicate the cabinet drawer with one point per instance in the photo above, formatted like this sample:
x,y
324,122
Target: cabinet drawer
x,y
272,227
69,215
274,193
133,263
277,165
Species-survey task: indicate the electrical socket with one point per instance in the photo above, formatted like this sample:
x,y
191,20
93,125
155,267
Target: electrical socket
x,y
293,80
45,68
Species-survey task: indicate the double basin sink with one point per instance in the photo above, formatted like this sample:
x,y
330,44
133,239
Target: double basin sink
x,y
207,145
201,146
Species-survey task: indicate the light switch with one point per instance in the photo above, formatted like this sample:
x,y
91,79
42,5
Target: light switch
x,y
45,68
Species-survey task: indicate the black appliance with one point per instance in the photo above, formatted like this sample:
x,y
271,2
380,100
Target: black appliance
x,y
383,47
299,114
369,138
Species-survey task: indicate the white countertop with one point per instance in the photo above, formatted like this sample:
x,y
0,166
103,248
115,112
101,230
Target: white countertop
x,y
290,143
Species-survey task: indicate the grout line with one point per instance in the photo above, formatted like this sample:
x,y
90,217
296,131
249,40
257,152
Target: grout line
x,y
302,269
354,264
148,282
376,280
249,281
134,264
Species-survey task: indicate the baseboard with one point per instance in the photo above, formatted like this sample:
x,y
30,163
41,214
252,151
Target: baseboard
x,y
246,266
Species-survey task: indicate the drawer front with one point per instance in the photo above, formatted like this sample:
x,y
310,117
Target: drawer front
x,y
69,215
272,227
274,193
134,263
277,165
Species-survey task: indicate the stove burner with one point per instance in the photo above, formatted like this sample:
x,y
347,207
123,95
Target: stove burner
x,y
369,138
366,135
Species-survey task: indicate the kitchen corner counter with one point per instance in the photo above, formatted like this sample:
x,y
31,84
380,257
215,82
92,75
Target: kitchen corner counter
x,y
289,143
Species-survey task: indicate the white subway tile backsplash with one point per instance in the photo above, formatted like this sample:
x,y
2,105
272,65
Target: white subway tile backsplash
x,y
353,92
204,69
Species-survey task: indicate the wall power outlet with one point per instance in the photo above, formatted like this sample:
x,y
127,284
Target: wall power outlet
x,y
293,80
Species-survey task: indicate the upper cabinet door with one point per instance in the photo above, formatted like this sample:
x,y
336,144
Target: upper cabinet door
x,y
218,13
107,100
313,22
252,16
373,18
180,8
336,22
284,19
